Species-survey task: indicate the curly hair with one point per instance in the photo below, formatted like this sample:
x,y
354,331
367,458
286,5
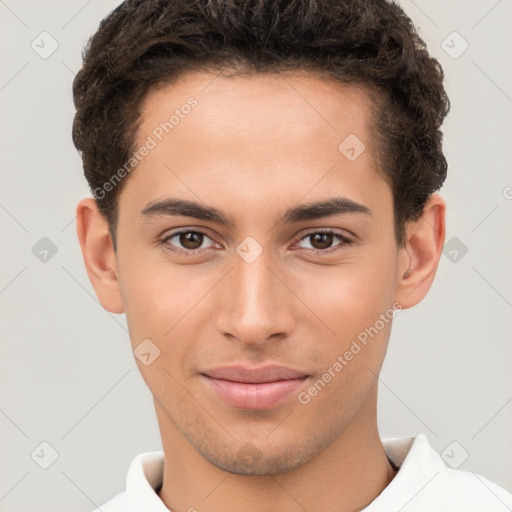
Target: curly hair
x,y
143,44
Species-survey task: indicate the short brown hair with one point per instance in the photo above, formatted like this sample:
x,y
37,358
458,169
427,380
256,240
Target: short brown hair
x,y
145,43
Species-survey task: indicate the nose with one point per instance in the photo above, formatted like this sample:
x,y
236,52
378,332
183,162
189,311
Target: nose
x,y
256,306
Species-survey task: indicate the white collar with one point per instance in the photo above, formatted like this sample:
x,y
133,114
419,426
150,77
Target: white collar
x,y
423,482
146,471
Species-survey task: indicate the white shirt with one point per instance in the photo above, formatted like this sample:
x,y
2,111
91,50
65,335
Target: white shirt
x,y
424,483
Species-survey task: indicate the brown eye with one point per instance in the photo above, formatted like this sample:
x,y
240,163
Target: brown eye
x,y
187,242
325,241
191,240
321,240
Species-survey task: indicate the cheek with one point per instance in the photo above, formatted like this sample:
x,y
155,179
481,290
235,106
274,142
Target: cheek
x,y
157,296
350,297
159,307
166,305
355,302
350,370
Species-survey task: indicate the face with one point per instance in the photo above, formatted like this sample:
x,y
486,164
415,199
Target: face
x,y
256,307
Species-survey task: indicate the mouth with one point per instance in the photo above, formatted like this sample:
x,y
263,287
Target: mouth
x,y
254,388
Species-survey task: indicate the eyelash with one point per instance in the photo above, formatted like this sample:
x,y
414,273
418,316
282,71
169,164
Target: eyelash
x,y
192,252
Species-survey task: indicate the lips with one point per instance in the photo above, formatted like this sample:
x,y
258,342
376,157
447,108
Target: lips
x,y
255,375
254,388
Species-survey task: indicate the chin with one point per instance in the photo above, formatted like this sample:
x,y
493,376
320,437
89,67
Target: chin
x,y
260,458
257,463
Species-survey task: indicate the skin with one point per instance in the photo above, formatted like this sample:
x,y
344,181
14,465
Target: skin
x,y
254,147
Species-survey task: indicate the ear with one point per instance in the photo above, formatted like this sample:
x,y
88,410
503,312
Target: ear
x,y
98,253
418,260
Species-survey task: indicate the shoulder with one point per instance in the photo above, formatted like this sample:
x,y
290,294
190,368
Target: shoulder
x,y
120,502
473,491
425,483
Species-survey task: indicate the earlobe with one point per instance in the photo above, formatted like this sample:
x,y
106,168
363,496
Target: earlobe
x,y
98,253
421,254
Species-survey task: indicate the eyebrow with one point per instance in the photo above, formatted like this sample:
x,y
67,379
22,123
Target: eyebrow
x,y
309,211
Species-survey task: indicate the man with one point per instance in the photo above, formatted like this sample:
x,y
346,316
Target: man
x,y
264,181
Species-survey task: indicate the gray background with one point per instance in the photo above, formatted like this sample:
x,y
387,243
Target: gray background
x,y
67,374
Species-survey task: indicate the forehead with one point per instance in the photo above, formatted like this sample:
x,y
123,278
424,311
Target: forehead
x,y
271,107
285,131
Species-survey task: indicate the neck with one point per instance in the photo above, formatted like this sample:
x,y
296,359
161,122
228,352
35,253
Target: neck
x,y
346,476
